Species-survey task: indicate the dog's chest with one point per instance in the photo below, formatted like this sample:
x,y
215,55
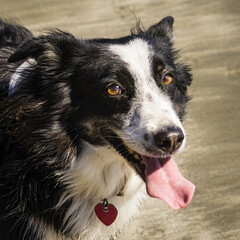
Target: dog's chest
x,y
95,177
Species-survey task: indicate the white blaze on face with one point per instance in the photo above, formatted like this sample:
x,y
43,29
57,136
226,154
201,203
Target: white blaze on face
x,y
151,109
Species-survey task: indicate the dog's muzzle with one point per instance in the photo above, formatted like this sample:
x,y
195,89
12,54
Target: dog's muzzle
x,y
161,174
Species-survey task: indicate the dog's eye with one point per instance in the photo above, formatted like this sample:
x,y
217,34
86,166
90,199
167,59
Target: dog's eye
x,y
167,79
114,90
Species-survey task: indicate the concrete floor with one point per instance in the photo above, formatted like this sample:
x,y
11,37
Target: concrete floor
x,y
208,32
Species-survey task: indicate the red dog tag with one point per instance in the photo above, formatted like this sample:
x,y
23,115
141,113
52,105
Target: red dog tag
x,y
106,213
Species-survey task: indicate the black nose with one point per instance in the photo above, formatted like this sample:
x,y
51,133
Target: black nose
x,y
169,140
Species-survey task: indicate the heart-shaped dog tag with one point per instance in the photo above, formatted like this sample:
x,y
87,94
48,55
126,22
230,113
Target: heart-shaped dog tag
x,y
107,213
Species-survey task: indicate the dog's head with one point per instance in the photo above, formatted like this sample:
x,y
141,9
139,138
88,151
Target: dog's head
x,y
129,93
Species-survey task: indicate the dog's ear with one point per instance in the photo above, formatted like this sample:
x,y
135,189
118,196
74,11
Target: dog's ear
x,y
29,49
162,29
53,47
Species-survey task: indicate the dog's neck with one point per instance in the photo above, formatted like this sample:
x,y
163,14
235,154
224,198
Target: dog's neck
x,y
103,169
100,172
18,75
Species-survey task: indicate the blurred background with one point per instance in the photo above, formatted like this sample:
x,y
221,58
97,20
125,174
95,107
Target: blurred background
x,y
208,33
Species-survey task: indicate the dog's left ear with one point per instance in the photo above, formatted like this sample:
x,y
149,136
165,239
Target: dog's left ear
x,y
162,29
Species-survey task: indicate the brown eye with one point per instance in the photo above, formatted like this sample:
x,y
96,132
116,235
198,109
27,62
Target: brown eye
x,y
114,90
167,79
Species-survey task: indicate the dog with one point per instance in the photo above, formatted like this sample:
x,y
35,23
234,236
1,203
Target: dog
x,y
88,127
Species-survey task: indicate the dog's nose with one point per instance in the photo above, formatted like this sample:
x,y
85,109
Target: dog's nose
x,y
170,140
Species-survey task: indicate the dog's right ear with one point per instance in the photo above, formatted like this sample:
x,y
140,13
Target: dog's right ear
x,y
53,47
29,49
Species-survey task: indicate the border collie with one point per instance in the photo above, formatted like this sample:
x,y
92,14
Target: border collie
x,y
87,123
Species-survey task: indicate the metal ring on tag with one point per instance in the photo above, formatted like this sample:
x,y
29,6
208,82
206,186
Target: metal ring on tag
x,y
105,205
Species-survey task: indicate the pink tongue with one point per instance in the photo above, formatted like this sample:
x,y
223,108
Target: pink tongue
x,y
166,182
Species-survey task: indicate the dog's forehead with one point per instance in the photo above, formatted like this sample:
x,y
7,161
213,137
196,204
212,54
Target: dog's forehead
x,y
137,56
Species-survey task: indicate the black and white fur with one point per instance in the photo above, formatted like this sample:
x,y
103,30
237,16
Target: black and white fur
x,y
58,126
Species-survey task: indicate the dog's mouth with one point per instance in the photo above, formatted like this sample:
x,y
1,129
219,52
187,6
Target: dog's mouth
x,y
161,174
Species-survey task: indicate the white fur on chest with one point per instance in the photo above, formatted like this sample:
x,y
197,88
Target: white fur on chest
x,y
100,173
